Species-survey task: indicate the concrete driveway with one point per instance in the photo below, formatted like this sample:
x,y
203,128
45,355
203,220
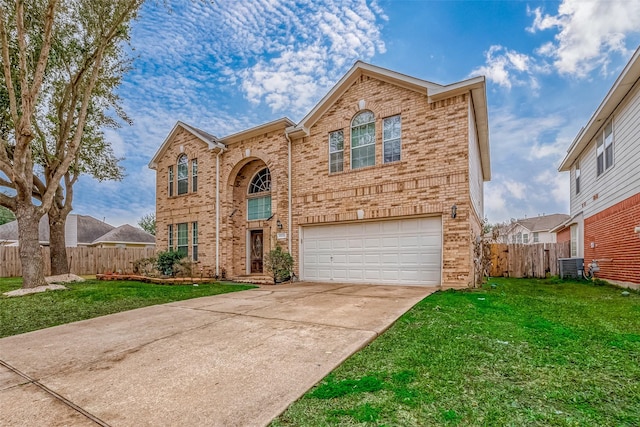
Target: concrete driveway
x,y
236,359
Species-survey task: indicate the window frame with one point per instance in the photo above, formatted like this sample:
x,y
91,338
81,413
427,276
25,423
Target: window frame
x,y
194,175
194,241
170,237
259,193
360,132
604,149
335,165
170,177
393,139
536,237
182,236
182,174
576,174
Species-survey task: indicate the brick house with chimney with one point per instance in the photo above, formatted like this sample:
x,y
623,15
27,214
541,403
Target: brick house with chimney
x,y
381,182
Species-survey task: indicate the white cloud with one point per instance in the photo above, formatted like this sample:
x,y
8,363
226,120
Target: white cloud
x,y
589,31
557,185
509,68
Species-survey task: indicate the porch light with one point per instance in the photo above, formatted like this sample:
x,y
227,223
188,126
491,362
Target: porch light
x,y
279,225
454,211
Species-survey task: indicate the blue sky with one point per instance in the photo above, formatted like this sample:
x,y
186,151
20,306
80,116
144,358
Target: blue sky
x,y
226,66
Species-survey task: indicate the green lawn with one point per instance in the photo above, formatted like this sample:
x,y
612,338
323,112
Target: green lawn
x,y
88,299
525,353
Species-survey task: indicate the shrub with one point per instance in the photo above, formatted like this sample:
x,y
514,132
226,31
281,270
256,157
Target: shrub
x,y
167,260
146,266
279,263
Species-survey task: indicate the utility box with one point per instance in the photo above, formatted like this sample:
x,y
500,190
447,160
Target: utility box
x,y
571,268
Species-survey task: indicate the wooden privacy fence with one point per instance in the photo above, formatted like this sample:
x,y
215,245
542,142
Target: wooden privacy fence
x,y
82,260
531,260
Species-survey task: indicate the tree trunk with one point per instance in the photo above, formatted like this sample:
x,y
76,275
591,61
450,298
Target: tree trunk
x,y
57,241
30,252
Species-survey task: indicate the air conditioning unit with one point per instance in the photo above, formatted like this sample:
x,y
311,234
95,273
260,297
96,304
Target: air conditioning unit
x,y
571,268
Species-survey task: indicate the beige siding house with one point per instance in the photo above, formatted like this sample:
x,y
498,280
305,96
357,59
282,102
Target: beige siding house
x,y
381,182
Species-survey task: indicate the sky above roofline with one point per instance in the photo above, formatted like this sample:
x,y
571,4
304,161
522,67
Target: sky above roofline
x,y
227,66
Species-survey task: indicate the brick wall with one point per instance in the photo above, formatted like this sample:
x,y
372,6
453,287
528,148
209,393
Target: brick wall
x,y
616,246
563,235
432,175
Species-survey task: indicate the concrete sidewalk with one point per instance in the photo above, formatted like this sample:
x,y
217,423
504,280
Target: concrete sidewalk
x,y
236,359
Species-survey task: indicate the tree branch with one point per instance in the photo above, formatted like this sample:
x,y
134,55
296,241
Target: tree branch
x,y
6,66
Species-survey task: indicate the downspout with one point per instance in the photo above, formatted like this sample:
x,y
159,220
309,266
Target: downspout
x,y
289,191
220,151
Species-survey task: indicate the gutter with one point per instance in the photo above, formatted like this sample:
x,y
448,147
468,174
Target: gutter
x,y
289,191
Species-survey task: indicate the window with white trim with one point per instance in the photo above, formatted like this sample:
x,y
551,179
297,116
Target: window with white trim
x,y
259,197
183,174
194,175
336,151
604,149
194,241
170,237
577,177
536,237
170,181
525,238
391,139
574,240
183,239
363,140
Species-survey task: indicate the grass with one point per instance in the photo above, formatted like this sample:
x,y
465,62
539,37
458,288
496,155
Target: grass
x,y
524,353
88,299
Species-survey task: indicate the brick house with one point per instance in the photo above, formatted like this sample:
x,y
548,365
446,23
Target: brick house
x,y
605,183
381,182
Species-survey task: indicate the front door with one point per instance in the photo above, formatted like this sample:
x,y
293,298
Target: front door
x,y
256,251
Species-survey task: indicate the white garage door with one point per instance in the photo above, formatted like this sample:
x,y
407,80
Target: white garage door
x,y
402,252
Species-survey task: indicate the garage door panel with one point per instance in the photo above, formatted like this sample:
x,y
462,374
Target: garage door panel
x,y
407,251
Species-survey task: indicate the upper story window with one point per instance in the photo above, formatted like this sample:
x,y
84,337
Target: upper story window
x,y
183,174
170,181
259,198
525,238
194,175
577,176
536,237
363,140
391,141
336,151
604,149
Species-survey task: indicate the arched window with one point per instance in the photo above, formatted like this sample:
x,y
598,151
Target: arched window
x,y
363,140
183,174
259,198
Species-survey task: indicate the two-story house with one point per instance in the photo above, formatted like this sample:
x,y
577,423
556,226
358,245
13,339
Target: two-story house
x,y
381,182
603,161
537,229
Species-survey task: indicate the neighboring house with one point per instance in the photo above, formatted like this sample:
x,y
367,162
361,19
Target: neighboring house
x,y
531,230
125,236
603,162
83,230
381,182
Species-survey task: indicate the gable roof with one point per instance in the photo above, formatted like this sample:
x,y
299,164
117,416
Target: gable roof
x,y
126,234
211,141
621,87
90,228
433,91
274,125
543,223
89,231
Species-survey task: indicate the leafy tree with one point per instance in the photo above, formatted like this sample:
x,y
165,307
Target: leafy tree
x,y
61,61
148,223
6,215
